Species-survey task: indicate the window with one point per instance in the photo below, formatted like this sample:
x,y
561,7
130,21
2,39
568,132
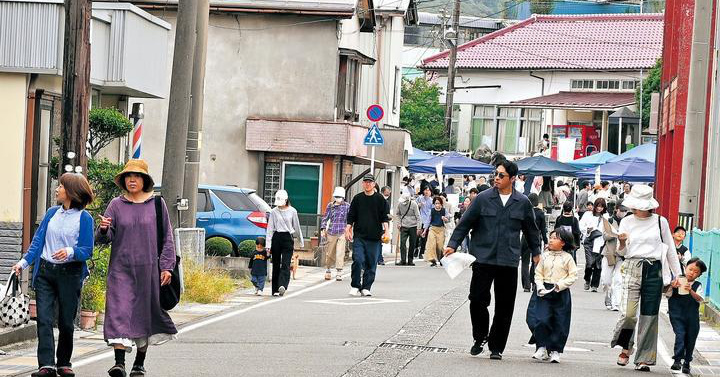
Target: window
x,y
630,84
607,84
508,120
530,128
454,122
581,84
203,204
483,127
236,201
272,180
348,84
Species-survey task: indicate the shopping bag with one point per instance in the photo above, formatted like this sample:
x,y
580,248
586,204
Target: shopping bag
x,y
455,263
15,306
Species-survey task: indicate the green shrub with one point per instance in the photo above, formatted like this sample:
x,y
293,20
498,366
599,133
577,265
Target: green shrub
x,y
105,125
93,292
206,286
247,249
218,246
101,174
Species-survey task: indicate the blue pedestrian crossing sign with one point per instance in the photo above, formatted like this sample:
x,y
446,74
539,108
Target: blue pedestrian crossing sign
x,y
374,137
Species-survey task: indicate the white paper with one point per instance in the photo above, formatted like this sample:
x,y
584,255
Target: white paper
x,y
565,149
455,263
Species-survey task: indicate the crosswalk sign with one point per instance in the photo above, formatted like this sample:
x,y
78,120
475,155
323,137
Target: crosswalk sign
x,y
374,137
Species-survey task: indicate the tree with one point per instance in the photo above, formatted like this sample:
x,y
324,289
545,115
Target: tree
x,y
541,6
106,125
422,113
650,85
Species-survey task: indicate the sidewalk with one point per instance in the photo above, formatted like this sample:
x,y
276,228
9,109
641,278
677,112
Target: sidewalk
x,y
21,358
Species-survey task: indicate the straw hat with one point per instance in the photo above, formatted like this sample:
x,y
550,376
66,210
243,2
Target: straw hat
x,y
641,198
135,166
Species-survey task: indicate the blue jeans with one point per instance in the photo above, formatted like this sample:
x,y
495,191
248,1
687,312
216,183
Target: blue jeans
x,y
380,256
365,254
258,281
61,282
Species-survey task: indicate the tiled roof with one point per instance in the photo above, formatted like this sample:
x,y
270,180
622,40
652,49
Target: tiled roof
x,y
465,21
585,42
579,100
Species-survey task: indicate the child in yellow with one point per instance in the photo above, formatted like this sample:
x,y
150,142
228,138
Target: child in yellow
x,y
554,274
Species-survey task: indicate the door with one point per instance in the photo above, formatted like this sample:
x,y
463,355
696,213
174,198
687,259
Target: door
x,y
302,182
204,217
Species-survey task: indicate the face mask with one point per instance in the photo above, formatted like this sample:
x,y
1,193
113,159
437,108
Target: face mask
x,y
338,200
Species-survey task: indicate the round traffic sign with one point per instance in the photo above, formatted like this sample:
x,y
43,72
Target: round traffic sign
x,y
375,113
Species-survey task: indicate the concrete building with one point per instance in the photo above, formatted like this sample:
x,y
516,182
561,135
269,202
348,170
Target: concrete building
x,y
287,86
123,39
560,75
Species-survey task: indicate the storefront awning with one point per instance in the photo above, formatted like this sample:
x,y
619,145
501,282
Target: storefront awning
x,y
578,100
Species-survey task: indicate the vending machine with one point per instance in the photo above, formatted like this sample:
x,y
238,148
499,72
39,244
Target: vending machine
x,y
587,140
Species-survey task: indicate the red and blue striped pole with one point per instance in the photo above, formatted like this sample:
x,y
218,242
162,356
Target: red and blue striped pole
x,y
137,116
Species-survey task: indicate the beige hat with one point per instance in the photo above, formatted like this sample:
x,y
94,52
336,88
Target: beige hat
x,y
135,166
281,198
641,198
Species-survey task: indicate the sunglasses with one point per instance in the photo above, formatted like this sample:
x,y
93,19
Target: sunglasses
x,y
501,175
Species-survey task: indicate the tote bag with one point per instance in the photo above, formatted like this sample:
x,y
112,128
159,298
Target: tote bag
x,y
15,306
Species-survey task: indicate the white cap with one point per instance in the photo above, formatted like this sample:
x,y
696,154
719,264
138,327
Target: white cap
x,y
281,197
339,192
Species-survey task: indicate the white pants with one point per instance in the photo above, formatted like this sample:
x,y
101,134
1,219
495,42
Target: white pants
x,y
611,280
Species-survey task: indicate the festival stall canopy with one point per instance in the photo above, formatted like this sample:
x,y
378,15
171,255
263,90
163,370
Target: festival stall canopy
x,y
592,161
452,163
543,166
631,170
419,155
644,151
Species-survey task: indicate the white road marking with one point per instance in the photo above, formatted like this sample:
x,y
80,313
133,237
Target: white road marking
x,y
357,301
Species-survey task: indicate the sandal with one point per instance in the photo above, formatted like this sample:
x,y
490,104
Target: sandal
x,y
623,359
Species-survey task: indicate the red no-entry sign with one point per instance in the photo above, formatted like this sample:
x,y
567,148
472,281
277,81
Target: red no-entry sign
x,y
375,113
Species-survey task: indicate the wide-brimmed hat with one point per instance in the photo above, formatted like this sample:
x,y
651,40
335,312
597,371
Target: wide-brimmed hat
x,y
641,198
136,166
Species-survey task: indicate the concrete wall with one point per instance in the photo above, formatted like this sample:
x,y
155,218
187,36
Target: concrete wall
x,y
256,66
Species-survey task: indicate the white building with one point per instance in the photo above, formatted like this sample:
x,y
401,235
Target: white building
x,y
514,84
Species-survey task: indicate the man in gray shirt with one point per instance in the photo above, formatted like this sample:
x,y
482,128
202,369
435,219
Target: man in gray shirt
x,y
582,197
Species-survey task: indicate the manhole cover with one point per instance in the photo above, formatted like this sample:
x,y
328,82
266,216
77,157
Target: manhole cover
x,y
413,347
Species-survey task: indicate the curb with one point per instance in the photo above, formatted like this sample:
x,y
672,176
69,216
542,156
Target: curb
x,y
18,334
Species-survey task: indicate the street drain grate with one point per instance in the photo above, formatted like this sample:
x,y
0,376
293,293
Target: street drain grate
x,y
413,347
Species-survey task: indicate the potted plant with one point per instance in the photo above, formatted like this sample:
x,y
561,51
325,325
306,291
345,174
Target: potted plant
x,y
92,302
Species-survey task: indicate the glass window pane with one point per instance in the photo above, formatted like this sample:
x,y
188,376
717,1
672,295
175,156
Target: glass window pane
x,y
236,201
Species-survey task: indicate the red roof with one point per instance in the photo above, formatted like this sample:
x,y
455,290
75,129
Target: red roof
x,y
583,42
579,100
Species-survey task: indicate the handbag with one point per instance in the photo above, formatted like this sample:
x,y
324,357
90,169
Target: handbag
x,y
610,243
15,306
169,293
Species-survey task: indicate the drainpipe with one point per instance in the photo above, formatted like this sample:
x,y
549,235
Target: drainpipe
x,y
542,89
548,130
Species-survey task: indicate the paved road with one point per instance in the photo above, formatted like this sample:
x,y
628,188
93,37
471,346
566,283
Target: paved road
x,y
320,331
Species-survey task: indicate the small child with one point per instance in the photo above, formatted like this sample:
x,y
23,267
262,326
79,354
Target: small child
x,y
554,274
684,309
258,266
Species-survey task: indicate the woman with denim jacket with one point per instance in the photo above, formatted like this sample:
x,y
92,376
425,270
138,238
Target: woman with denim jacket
x,y
59,249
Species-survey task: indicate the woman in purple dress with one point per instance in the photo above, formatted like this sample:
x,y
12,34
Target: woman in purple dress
x,y
133,315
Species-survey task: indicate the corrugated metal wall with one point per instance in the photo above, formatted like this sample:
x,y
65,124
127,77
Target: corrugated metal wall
x,y
29,35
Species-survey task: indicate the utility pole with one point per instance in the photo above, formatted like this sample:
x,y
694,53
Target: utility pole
x,y
194,134
179,108
451,34
76,86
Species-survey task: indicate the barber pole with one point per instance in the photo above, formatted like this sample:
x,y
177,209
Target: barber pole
x,y
137,117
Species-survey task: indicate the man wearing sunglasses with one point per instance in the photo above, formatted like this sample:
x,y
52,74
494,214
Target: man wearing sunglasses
x,y
496,217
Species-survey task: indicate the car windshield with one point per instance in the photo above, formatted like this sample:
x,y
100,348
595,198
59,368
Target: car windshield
x,y
259,202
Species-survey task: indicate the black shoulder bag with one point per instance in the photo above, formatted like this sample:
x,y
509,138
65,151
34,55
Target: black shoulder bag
x,y
170,293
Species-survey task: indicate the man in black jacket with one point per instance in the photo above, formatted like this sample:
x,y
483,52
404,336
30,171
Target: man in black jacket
x,y
496,217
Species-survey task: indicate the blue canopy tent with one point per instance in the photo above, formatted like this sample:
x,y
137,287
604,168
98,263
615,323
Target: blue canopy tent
x,y
592,161
543,166
644,151
452,163
418,155
631,170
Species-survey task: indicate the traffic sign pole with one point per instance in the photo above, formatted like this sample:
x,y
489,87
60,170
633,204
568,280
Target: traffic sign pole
x,y
372,160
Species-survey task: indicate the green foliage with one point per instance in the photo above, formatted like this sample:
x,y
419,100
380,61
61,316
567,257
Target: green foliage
x,y
247,249
206,286
423,115
541,6
650,85
100,175
93,292
218,246
106,125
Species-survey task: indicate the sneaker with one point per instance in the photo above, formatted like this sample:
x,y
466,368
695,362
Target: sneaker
x,y
477,348
338,277
555,357
594,289
686,369
615,309
118,370
281,290
433,264
65,372
137,371
366,293
676,366
540,354
381,263
411,264
327,275
642,367
44,372
354,292
586,286
494,355
402,263
258,292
